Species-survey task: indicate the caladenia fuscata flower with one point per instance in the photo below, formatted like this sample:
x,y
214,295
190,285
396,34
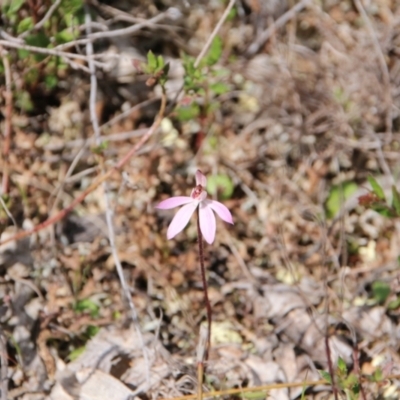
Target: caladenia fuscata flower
x,y
197,199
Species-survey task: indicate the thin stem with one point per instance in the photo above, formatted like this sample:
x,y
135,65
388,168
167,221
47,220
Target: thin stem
x,y
203,338
214,33
330,366
4,367
8,96
357,370
280,22
205,287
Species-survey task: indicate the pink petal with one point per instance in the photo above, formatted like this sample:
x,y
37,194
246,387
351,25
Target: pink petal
x,y
201,179
207,223
173,202
220,209
181,219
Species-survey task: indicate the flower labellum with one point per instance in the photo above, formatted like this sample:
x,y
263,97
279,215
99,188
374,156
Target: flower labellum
x,y
198,198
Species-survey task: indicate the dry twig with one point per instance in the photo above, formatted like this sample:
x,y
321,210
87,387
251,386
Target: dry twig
x,y
109,213
4,367
279,23
4,205
383,66
40,24
171,12
214,33
7,123
67,57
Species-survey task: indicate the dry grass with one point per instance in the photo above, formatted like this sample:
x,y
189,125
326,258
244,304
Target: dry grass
x,y
313,113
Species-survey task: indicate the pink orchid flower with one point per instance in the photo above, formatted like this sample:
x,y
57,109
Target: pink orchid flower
x,y
198,198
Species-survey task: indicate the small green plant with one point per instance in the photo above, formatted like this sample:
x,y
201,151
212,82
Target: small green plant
x,y
61,27
99,150
202,83
157,68
220,184
74,354
89,333
380,291
39,70
352,384
337,195
377,200
345,381
89,306
383,295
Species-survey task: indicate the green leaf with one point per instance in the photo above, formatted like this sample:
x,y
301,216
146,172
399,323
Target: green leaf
x,y
219,88
25,24
394,304
383,210
14,7
116,315
192,85
23,101
222,72
87,305
71,7
356,388
325,375
72,21
213,106
380,291
160,61
232,14
31,77
342,366
22,54
38,39
212,142
151,61
51,81
74,354
214,54
101,147
166,68
396,200
186,113
65,36
188,64
337,195
220,184
377,376
376,188
92,330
